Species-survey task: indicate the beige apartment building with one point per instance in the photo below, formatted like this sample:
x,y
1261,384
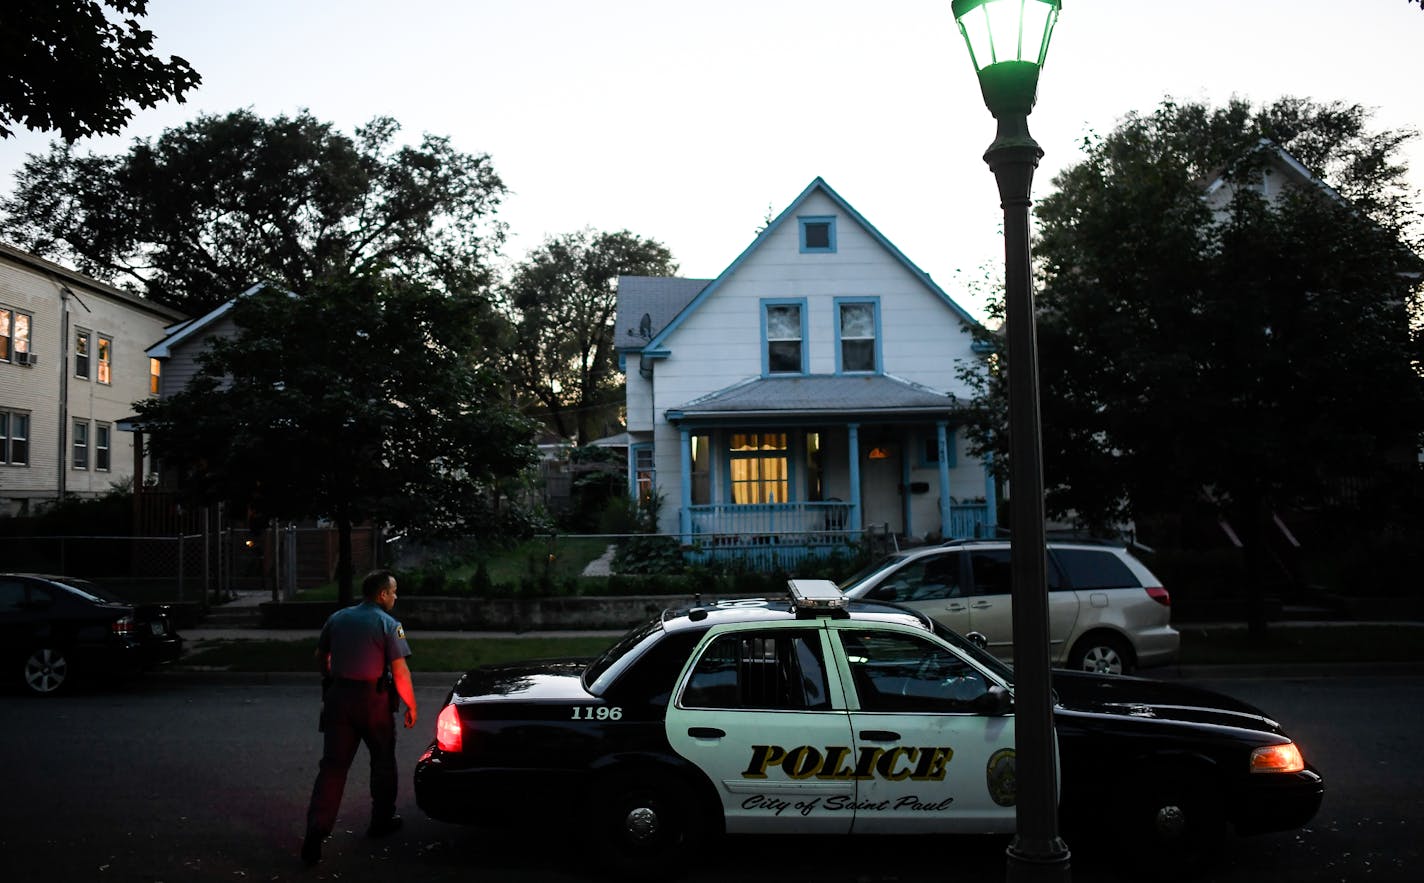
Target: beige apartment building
x,y
72,363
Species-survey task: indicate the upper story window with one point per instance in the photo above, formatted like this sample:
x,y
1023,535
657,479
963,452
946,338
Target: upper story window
x,y
155,373
644,473
81,353
784,332
14,336
106,357
857,335
818,234
14,438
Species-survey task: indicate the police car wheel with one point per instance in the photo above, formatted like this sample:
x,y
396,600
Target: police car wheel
x,y
1179,815
641,820
46,671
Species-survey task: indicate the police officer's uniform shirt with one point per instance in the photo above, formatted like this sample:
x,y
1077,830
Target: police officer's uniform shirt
x,y
361,640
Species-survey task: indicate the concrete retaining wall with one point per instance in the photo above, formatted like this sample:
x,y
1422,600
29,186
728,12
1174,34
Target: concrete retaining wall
x,y
497,614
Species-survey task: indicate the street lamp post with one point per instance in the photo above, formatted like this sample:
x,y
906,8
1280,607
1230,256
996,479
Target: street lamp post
x,y
1008,40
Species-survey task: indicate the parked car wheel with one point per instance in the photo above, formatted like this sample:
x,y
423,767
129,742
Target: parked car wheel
x,y
1180,815
46,671
1103,654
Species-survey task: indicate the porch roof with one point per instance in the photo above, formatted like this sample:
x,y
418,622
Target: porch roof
x,y
818,395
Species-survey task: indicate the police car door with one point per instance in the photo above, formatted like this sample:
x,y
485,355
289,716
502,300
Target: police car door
x,y
761,714
928,755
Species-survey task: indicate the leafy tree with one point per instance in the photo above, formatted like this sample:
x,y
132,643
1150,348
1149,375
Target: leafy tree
x,y
359,399
562,299
225,201
1232,361
70,69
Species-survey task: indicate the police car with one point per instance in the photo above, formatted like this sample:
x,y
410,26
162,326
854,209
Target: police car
x,y
816,714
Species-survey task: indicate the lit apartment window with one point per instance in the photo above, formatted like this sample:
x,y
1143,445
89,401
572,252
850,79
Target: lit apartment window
x,y
106,355
80,437
101,447
14,336
14,438
644,473
81,354
155,373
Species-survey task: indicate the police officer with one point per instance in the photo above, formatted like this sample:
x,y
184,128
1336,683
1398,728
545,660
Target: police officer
x,y
362,651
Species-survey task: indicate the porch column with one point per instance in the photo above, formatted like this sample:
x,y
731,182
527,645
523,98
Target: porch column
x,y
684,516
853,446
991,501
942,440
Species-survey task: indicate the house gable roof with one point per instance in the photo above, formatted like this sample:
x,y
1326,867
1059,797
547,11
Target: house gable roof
x,y
659,339
1285,160
190,329
659,298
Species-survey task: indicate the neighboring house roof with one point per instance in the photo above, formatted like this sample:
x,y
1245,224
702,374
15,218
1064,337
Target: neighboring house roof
x,y
52,269
658,298
818,395
194,327
661,334
1292,165
617,440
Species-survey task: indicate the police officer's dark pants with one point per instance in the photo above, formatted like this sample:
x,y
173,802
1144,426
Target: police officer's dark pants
x,y
354,712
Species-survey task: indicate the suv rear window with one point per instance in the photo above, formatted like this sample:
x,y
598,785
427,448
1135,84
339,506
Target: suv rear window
x,y
1095,569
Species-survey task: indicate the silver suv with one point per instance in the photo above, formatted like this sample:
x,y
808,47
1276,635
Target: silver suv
x,y
1107,612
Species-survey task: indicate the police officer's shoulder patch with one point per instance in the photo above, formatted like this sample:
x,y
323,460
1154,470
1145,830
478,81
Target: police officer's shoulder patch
x,y
400,631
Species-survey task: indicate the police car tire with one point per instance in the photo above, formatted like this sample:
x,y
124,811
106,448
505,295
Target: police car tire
x,y
640,820
1179,815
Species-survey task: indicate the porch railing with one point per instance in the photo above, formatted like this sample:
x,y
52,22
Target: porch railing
x,y
768,535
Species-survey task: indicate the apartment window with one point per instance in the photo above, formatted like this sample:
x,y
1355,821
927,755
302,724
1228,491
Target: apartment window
x,y
818,234
784,331
80,438
101,447
81,354
929,456
14,438
14,336
857,336
155,373
106,355
759,462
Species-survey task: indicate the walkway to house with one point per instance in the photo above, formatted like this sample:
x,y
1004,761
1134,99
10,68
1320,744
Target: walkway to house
x,y
602,565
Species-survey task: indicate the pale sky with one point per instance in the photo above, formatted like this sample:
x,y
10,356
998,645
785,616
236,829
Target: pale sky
x,y
686,121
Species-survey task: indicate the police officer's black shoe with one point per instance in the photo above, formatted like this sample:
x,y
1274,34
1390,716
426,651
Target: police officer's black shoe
x,y
311,848
385,826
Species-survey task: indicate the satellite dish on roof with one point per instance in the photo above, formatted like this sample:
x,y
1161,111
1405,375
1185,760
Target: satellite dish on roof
x,y
645,327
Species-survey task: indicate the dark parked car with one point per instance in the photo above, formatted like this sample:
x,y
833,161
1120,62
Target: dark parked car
x,y
54,628
822,715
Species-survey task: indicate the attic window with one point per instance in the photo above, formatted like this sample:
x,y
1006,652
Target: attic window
x,y
818,234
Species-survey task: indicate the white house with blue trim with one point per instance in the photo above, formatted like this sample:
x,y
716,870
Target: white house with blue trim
x,y
808,393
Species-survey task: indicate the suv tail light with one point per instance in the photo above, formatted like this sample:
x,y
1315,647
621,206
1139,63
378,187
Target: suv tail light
x,y
447,730
122,626
1159,594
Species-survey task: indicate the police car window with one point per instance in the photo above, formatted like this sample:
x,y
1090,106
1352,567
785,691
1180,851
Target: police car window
x,y
622,647
1096,569
650,678
992,576
781,670
899,672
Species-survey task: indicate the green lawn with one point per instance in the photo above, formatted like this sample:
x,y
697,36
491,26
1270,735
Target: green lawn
x,y
430,654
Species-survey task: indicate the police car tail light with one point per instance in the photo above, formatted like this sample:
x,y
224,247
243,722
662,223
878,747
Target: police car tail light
x,y
1159,594
122,626
1277,759
447,730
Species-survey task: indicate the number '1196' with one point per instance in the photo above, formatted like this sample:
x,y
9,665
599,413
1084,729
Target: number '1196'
x,y
603,713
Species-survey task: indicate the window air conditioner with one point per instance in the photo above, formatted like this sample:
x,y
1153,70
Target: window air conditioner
x,y
26,359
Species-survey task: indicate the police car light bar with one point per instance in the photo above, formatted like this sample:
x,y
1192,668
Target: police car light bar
x,y
816,594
